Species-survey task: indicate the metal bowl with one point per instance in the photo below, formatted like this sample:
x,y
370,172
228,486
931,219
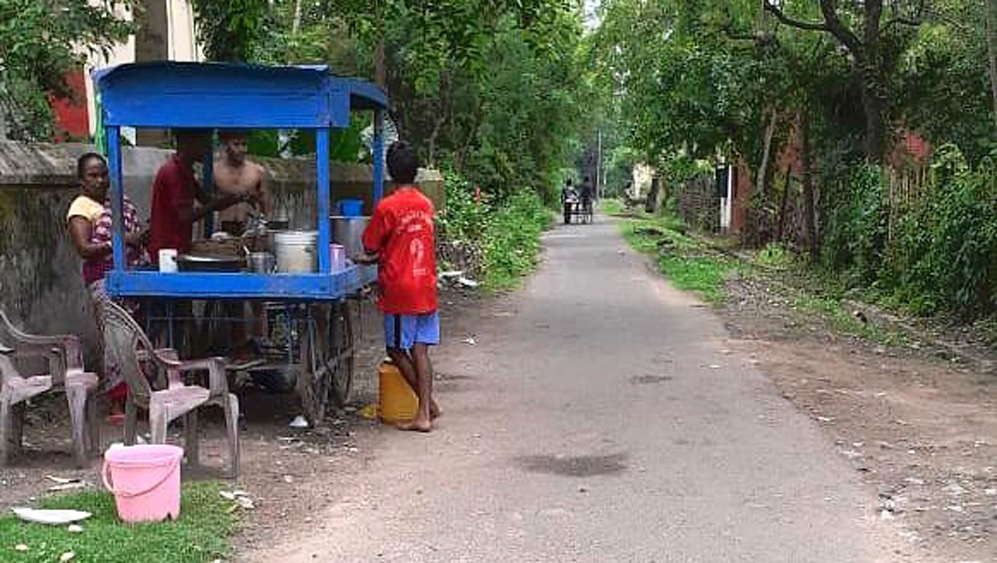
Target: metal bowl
x,y
209,263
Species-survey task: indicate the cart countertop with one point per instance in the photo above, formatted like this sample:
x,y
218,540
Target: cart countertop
x,y
212,285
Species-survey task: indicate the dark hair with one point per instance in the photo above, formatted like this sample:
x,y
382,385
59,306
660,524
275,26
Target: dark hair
x,y
189,132
226,134
403,164
569,181
84,159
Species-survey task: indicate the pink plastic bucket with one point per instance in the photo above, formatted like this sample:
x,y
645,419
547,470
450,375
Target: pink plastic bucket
x,y
145,481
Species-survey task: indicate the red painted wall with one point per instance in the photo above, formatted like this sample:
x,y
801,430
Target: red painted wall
x,y
742,196
71,118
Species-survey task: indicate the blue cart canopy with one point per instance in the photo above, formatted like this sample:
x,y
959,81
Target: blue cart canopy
x,y
170,94
221,95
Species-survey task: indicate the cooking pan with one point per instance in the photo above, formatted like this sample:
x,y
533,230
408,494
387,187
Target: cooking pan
x,y
209,263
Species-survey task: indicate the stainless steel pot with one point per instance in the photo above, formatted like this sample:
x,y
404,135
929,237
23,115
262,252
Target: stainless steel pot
x,y
348,231
262,262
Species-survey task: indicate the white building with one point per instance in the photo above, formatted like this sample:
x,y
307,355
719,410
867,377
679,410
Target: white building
x,y
166,32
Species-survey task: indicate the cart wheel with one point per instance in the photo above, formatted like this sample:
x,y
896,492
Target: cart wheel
x,y
328,359
343,359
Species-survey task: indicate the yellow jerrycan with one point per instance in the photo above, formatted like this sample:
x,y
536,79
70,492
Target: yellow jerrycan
x,y
397,402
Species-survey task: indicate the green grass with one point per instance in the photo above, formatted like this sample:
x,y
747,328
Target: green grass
x,y
841,321
611,206
201,534
703,275
693,265
688,263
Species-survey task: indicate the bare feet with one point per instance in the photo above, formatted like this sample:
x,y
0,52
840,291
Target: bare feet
x,y
420,424
434,410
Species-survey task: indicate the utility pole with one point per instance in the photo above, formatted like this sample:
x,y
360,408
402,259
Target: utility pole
x,y
598,168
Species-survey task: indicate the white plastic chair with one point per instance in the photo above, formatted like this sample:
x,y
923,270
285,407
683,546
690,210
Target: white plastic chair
x,y
137,357
65,375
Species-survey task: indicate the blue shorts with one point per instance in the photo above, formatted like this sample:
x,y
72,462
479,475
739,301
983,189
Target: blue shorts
x,y
405,331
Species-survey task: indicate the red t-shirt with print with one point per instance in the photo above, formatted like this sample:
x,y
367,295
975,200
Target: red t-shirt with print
x,y
173,189
401,233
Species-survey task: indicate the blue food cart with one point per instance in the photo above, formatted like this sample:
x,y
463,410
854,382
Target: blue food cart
x,y
314,308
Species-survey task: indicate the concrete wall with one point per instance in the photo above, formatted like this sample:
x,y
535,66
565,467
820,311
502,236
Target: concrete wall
x,y
40,282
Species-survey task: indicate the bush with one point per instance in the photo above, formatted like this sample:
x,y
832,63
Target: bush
x,y
495,241
943,253
946,249
512,240
461,226
855,234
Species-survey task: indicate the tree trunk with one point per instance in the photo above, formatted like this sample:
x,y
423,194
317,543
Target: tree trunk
x,y
809,215
651,203
992,47
874,95
380,69
784,208
761,185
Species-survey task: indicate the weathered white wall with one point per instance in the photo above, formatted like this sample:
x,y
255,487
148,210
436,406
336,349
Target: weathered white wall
x,y
179,34
642,176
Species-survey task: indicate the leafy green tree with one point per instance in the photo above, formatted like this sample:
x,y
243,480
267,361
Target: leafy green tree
x,y
230,30
41,41
875,34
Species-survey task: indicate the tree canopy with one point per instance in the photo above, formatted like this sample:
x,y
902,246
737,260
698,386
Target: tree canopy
x,y
40,42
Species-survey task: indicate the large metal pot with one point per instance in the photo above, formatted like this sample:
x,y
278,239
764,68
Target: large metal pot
x,y
295,251
348,231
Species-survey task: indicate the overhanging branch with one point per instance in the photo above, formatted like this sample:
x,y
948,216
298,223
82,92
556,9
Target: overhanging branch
x,y
834,25
910,21
786,20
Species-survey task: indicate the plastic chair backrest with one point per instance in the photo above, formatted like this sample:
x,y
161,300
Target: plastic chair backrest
x,y
124,338
16,339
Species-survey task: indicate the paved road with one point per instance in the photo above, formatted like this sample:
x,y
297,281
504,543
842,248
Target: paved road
x,y
599,418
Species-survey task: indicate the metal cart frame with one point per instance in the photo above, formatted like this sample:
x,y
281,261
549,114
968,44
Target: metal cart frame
x,y
214,96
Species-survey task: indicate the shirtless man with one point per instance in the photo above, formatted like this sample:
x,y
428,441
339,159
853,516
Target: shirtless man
x,y
236,175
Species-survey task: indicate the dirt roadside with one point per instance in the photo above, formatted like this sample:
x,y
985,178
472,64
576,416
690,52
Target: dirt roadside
x,y
289,474
921,430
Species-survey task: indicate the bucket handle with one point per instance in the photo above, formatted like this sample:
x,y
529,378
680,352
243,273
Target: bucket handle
x,y
105,474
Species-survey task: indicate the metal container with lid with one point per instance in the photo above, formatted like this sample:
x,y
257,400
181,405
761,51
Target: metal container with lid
x,y
296,251
348,231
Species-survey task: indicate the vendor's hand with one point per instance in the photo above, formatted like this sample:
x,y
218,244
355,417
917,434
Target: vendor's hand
x,y
366,258
137,238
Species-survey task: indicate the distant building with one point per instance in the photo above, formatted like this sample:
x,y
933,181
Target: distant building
x,y
166,32
642,177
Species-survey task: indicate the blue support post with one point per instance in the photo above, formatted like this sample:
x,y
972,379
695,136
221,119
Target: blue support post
x,y
208,168
113,135
378,156
322,167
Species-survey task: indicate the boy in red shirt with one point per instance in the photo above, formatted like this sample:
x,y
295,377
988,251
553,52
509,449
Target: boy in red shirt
x,y
400,240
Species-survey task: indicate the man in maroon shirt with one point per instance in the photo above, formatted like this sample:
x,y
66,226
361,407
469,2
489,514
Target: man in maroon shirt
x,y
177,199
178,203
400,240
